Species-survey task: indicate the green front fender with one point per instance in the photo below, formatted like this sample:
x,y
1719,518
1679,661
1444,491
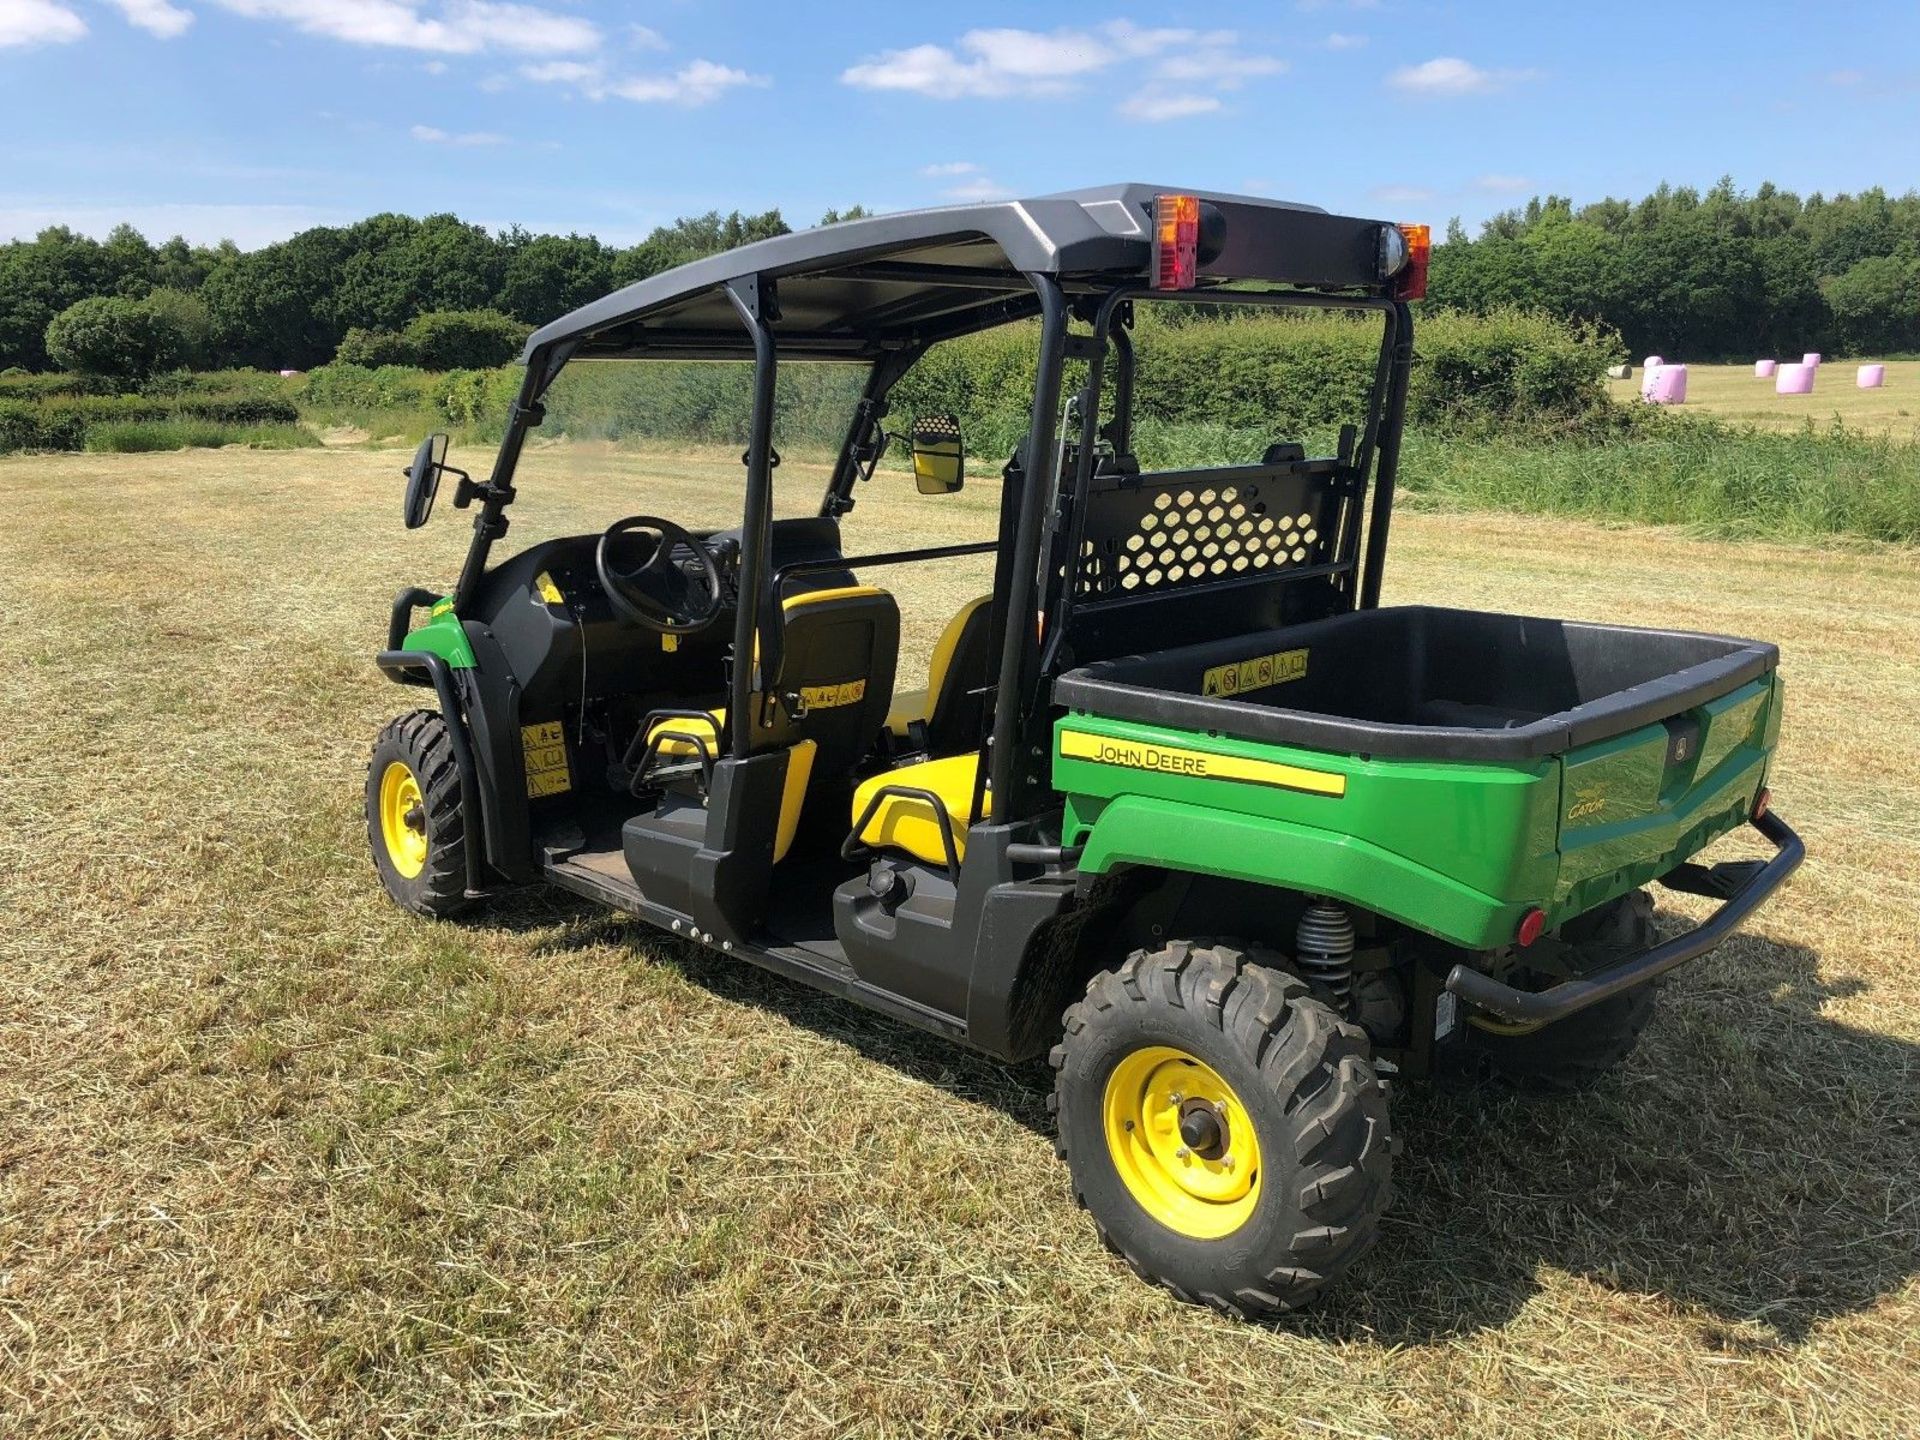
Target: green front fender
x,y
1138,830
443,635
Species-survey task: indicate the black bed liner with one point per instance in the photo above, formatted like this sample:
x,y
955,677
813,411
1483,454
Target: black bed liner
x,y
1419,682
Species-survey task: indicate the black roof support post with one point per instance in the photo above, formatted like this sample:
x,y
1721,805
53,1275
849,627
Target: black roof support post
x,y
1391,426
1017,777
751,299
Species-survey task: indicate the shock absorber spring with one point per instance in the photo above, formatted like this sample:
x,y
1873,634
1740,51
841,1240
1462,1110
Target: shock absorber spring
x,y
1323,948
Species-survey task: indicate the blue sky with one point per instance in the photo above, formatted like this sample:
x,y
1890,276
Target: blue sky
x,y
251,119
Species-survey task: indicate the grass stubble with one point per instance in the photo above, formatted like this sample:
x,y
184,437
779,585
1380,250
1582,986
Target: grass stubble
x,y
276,1159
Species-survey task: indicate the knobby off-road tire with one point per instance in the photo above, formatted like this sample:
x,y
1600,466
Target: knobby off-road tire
x,y
415,827
1576,1053
1300,1095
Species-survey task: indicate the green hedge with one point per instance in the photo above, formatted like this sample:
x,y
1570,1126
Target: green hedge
x,y
25,426
685,402
1279,376
1223,385
59,412
1293,376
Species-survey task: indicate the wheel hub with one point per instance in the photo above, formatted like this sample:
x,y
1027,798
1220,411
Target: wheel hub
x,y
1182,1142
403,819
1204,1129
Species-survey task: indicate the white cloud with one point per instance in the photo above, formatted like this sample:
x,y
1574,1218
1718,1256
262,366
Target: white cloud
x,y
1503,184
456,27
699,82
1846,79
1220,68
1448,75
980,189
1000,62
156,17
644,37
1400,194
1186,66
38,22
949,167
432,135
1340,41
562,72
1156,107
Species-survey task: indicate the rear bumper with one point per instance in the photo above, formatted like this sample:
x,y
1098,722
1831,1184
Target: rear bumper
x,y
1533,1008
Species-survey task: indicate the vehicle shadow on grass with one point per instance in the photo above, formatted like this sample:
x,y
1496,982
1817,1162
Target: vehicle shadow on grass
x,y
1752,1163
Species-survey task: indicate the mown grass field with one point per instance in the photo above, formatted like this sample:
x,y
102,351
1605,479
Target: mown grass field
x,y
1734,393
278,1160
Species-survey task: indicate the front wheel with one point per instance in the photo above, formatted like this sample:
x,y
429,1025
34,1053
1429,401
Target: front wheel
x,y
1227,1132
415,825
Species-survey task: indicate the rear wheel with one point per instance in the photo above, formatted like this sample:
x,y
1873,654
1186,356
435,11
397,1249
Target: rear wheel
x,y
1577,1052
1226,1130
415,826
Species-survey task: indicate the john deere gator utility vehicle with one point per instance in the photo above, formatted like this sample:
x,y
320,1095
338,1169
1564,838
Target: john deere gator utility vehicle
x,y
1183,807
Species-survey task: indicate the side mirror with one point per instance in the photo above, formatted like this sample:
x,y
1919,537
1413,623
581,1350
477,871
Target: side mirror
x,y
423,479
939,459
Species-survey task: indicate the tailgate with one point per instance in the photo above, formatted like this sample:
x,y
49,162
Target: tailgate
x,y
1633,806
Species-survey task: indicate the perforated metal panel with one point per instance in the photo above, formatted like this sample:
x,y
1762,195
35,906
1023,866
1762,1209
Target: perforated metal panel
x,y
1166,532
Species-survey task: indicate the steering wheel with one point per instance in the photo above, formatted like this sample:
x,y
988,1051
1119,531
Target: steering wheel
x,y
657,593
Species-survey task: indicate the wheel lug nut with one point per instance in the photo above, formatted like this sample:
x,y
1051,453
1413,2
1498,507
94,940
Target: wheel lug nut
x,y
1184,1153
1176,1097
1226,1162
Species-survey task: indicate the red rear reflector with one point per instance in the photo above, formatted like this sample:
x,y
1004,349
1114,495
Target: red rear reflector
x,y
1411,282
1531,924
1176,242
1762,802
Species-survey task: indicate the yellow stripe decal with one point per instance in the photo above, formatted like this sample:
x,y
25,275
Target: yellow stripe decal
x,y
1201,764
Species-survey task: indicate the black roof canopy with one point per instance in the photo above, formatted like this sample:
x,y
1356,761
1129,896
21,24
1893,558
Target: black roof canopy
x,y
855,290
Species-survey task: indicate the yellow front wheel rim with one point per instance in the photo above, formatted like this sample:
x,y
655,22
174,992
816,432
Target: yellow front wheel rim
x,y
1182,1141
403,819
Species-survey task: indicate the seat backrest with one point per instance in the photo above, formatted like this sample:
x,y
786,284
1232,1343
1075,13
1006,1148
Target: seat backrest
x,y
839,647
957,680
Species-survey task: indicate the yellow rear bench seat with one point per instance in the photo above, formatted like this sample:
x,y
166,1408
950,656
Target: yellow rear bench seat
x,y
906,822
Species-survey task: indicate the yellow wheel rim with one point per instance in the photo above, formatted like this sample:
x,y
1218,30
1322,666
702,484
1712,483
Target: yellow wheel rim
x,y
403,819
1160,1101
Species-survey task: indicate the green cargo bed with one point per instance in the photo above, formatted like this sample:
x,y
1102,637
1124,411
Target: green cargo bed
x,y
1449,768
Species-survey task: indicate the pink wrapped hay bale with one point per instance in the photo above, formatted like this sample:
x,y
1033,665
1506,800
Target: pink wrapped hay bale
x,y
1669,386
1653,362
1871,377
1811,358
1794,380
1763,369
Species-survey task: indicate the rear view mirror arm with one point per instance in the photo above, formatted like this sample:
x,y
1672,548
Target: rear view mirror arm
x,y
864,430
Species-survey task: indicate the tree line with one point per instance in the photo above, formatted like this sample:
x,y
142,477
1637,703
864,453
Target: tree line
x,y
1720,275
293,304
